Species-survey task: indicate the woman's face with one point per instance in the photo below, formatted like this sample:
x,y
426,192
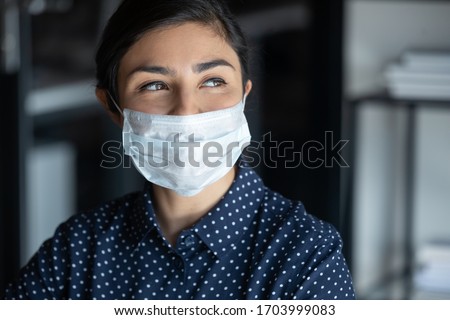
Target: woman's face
x,y
180,70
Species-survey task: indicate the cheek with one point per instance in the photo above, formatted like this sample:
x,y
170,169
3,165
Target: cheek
x,y
147,104
218,102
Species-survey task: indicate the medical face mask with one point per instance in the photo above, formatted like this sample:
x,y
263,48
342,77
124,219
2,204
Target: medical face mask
x,y
185,153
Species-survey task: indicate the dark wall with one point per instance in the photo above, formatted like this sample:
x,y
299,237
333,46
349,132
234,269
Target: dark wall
x,y
298,98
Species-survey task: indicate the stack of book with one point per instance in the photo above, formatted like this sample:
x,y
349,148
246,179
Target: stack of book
x,y
433,272
420,75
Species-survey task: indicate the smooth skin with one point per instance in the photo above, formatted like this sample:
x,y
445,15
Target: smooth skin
x,y
180,70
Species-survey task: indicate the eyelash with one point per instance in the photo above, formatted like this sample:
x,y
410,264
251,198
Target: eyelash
x,y
153,83
219,82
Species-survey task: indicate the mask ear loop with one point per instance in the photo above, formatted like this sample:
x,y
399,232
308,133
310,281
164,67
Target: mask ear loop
x,y
114,102
244,100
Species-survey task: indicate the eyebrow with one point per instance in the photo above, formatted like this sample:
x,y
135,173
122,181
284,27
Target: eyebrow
x,y
204,66
153,69
198,68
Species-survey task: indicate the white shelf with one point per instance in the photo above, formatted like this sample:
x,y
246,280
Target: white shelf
x,y
62,97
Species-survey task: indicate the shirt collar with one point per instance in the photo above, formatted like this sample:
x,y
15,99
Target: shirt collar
x,y
141,220
223,226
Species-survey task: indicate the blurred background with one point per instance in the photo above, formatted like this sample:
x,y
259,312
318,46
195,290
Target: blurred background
x,y
375,74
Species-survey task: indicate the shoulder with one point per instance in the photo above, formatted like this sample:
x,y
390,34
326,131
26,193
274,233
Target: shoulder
x,y
114,223
305,241
83,234
72,250
101,218
291,219
308,251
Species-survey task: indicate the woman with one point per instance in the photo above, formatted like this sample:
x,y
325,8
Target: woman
x,y
173,74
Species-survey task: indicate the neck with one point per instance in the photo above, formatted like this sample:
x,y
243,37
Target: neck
x,y
176,213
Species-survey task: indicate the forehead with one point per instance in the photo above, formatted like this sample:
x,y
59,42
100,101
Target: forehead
x,y
179,45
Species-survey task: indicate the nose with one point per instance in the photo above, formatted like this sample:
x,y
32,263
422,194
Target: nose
x,y
185,104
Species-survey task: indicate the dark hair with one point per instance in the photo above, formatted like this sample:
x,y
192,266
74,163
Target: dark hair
x,y
133,18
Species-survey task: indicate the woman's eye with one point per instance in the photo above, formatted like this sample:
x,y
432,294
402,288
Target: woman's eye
x,y
216,82
154,86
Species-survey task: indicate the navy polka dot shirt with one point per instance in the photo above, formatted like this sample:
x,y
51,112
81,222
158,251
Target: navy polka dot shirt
x,y
254,244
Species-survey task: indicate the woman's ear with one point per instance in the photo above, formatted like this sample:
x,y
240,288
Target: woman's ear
x,y
102,97
248,87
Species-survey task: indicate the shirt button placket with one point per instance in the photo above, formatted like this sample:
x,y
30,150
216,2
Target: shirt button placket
x,y
179,263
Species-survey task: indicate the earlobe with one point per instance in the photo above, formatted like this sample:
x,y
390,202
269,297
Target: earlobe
x,y
248,87
102,97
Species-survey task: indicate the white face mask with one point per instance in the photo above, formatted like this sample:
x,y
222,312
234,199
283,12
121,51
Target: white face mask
x,y
185,153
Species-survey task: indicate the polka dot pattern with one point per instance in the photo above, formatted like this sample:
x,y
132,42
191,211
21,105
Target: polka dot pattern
x,y
254,244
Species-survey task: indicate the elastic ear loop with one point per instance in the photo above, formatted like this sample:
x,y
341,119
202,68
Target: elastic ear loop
x,y
114,102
